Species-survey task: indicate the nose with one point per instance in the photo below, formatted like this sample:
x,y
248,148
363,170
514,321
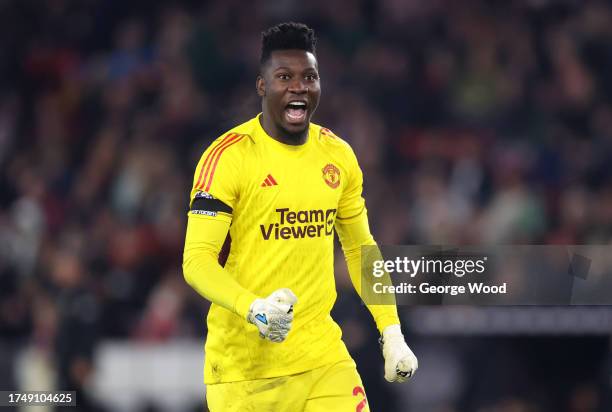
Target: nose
x,y
298,86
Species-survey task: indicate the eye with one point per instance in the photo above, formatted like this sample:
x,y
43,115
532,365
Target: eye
x,y
283,76
312,77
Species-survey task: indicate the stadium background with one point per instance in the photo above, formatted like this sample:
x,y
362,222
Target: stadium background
x,y
475,122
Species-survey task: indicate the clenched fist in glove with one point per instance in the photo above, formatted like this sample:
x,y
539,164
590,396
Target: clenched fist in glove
x,y
400,362
273,315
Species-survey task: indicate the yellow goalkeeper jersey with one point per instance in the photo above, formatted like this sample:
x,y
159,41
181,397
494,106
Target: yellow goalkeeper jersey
x,y
283,202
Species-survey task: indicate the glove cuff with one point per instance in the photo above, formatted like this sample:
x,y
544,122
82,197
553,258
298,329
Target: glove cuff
x,y
244,303
392,331
249,316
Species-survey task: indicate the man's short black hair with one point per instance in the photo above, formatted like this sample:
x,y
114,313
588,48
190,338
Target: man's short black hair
x,y
287,36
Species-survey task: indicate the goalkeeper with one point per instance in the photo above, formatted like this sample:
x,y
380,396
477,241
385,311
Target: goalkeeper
x,y
266,199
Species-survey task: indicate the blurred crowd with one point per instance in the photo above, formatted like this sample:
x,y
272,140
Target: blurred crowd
x,y
475,122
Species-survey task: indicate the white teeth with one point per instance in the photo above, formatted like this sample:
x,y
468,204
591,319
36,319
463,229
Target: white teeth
x,y
298,104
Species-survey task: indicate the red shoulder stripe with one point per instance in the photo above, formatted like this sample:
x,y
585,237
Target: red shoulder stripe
x,y
230,142
327,132
213,154
209,156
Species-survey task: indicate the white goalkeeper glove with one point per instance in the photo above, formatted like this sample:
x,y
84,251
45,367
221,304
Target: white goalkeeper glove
x,y
400,362
273,315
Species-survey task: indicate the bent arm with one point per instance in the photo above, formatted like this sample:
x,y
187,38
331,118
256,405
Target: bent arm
x,y
353,234
202,270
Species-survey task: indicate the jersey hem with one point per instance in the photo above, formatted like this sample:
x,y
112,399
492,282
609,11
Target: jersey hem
x,y
275,373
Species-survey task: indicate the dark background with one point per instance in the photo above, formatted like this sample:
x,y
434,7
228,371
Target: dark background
x,y
475,122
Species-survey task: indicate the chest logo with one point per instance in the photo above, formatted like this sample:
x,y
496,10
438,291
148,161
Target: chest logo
x,y
269,181
331,175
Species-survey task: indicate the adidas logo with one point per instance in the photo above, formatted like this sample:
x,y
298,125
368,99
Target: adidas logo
x,y
269,181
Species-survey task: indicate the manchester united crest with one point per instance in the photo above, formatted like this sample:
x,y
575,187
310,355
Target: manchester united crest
x,y
331,175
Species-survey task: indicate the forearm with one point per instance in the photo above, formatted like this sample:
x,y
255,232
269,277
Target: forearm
x,y
353,236
201,268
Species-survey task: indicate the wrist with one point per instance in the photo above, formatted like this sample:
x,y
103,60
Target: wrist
x,y
392,331
244,303
385,319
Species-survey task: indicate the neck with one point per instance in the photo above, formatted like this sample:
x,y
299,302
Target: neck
x,y
282,135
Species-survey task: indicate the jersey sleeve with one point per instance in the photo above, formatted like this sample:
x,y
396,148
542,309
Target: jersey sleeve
x,y
354,232
215,191
351,204
352,237
216,181
202,271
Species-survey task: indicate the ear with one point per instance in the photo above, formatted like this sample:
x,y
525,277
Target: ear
x,y
260,85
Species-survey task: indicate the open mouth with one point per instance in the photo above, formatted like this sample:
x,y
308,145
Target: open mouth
x,y
295,112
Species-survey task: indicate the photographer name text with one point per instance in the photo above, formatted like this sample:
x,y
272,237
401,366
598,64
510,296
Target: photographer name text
x,y
453,290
